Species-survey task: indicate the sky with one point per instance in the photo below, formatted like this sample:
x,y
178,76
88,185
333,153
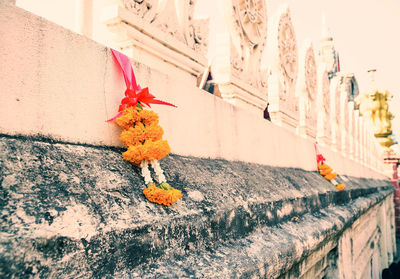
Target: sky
x,y
366,33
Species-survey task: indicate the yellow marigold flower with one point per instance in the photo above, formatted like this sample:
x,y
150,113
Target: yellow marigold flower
x,y
134,135
340,187
153,132
129,117
161,196
148,117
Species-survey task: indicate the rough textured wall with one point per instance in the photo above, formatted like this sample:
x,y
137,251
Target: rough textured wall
x,y
73,211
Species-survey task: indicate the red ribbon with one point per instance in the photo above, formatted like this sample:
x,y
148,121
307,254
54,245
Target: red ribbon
x,y
320,158
133,94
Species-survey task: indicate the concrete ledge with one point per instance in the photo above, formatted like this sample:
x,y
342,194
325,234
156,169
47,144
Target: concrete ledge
x,y
80,212
268,252
62,85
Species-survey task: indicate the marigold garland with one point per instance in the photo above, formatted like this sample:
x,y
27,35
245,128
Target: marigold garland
x,y
142,134
143,137
326,171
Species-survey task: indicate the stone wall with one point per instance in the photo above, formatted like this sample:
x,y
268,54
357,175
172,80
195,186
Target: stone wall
x,y
71,207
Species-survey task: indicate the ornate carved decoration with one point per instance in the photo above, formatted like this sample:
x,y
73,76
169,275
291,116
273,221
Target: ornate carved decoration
x,y
311,74
197,35
282,97
306,91
145,9
174,18
248,34
251,15
287,49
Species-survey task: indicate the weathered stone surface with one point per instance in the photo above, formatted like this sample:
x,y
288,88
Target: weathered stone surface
x,y
70,211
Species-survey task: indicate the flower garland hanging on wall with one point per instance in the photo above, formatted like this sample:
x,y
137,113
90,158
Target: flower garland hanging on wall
x,y
143,135
326,171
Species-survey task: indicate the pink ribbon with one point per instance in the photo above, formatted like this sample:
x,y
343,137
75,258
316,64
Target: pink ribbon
x,y
320,158
133,94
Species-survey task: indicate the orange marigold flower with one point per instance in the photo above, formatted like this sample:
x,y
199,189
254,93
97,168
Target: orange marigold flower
x,y
340,187
153,132
134,135
148,151
323,166
330,176
134,154
326,171
161,196
156,150
129,117
148,117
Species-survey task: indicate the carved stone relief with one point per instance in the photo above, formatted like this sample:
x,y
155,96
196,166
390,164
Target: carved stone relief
x,y
145,9
174,18
306,90
251,15
311,83
287,49
284,102
249,33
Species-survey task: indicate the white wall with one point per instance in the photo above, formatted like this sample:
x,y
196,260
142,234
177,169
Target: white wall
x,y
63,85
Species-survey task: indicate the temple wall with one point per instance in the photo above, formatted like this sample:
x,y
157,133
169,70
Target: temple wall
x,y
253,204
71,97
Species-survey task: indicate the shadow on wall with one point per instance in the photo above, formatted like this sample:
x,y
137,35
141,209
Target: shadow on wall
x,y
266,113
